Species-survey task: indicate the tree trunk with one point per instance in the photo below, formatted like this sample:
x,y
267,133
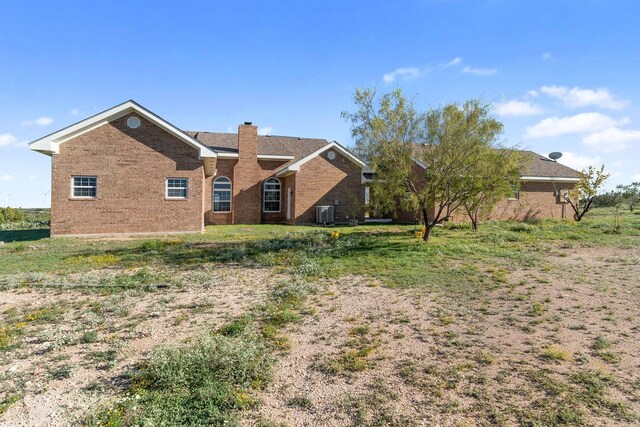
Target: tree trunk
x,y
473,216
427,227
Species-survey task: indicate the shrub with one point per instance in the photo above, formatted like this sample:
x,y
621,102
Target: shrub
x,y
89,337
11,215
61,372
201,383
301,402
457,225
154,245
8,401
522,228
601,343
554,352
19,247
607,199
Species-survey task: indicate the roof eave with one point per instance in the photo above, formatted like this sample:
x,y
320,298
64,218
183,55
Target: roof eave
x,y
549,179
295,167
289,170
50,144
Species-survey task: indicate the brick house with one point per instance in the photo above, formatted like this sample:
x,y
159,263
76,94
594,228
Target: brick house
x,y
128,171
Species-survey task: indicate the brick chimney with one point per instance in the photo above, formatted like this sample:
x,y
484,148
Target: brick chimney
x,y
247,142
247,194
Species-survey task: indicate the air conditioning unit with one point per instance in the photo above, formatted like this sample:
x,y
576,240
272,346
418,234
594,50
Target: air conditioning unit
x,y
324,214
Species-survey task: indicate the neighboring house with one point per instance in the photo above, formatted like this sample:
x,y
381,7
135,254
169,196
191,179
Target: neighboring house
x,y
128,171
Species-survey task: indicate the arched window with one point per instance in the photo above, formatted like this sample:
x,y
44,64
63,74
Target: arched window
x,y
222,194
271,196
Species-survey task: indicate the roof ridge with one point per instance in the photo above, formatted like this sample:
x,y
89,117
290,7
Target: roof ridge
x,y
196,132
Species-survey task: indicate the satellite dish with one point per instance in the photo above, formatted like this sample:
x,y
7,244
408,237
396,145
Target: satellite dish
x,y
555,155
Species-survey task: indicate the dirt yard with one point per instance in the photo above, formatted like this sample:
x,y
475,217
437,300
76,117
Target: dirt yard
x,y
73,346
551,345
518,324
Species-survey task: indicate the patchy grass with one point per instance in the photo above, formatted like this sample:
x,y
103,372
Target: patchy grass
x,y
460,335
556,353
389,252
207,381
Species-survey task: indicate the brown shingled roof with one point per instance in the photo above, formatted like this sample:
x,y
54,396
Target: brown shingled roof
x,y
267,144
538,165
545,167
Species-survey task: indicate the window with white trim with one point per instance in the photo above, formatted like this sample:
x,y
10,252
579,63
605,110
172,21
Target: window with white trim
x,y
515,192
84,187
271,195
222,194
177,188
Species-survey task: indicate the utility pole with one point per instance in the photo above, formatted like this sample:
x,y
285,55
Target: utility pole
x,y
6,197
45,198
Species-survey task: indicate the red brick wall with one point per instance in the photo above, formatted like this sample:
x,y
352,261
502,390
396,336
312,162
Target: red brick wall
x,y
537,200
131,166
246,178
265,169
321,181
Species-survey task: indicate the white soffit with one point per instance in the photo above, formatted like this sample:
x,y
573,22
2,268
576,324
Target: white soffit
x,y
548,179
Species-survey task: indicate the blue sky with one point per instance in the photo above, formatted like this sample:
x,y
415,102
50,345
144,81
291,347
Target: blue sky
x,y
563,75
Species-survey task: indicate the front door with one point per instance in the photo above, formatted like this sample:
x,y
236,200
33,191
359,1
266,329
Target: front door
x,y
289,197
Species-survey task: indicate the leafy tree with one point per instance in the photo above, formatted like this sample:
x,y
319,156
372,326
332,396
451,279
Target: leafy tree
x,y
496,175
422,161
582,195
607,199
11,215
631,194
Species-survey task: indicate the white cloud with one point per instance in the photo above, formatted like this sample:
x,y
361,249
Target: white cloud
x,y
578,162
533,93
576,97
6,178
547,56
515,108
479,71
7,139
74,112
32,177
407,73
40,121
265,131
611,139
635,177
455,61
580,123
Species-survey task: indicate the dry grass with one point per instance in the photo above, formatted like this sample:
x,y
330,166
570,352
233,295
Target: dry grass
x,y
556,345
75,346
532,325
